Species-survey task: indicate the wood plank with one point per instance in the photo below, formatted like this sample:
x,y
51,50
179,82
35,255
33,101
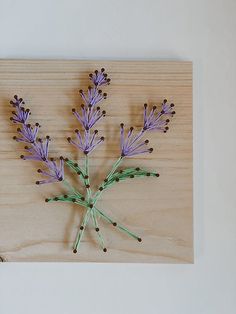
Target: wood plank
x,y
160,210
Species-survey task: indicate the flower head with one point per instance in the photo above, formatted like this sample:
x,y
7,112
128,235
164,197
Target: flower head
x,y
133,144
88,142
90,116
55,171
157,120
16,101
37,148
28,134
167,108
20,114
90,113
99,78
93,96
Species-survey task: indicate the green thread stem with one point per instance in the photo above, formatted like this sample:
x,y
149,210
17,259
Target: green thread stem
x,y
87,181
94,211
127,176
89,199
119,226
81,232
85,221
100,237
70,188
115,166
71,165
113,169
68,200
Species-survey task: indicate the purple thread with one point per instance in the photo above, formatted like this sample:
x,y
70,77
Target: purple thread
x,y
38,148
132,145
88,142
90,113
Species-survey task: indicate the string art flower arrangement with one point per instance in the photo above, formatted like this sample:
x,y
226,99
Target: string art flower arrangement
x,y
131,143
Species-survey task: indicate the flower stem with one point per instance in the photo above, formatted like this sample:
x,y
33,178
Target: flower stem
x,y
70,188
100,237
113,169
82,228
87,181
122,228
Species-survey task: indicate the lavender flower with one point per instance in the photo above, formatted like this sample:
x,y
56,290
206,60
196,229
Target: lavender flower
x,y
155,121
90,113
88,142
99,78
90,116
133,145
20,114
93,97
17,102
55,173
28,133
38,149
167,109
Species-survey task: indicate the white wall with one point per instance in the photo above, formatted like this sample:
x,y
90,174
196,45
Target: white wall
x,y
203,31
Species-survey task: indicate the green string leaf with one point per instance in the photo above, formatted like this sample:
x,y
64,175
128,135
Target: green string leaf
x,y
75,167
72,198
128,173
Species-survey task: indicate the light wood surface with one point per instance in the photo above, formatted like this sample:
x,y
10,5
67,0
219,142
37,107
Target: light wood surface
x,y
159,210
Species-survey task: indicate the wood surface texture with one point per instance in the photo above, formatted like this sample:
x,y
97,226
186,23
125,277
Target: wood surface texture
x,y
158,209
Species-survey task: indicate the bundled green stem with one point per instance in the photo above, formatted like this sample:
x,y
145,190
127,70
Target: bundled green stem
x,y
90,200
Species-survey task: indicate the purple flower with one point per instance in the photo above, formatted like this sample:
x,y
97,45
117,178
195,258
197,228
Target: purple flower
x,y
93,96
28,133
133,144
90,113
88,142
17,102
99,78
21,115
37,148
55,172
167,109
90,116
155,120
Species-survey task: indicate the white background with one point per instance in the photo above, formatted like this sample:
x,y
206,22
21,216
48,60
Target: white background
x,y
203,31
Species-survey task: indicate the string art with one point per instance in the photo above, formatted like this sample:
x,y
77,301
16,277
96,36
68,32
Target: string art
x,y
131,143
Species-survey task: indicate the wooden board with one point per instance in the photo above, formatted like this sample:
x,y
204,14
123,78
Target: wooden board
x,y
160,210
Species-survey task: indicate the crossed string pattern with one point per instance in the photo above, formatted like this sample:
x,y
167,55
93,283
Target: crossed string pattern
x,y
131,143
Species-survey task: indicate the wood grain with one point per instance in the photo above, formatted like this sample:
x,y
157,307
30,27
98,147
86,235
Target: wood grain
x,y
160,210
